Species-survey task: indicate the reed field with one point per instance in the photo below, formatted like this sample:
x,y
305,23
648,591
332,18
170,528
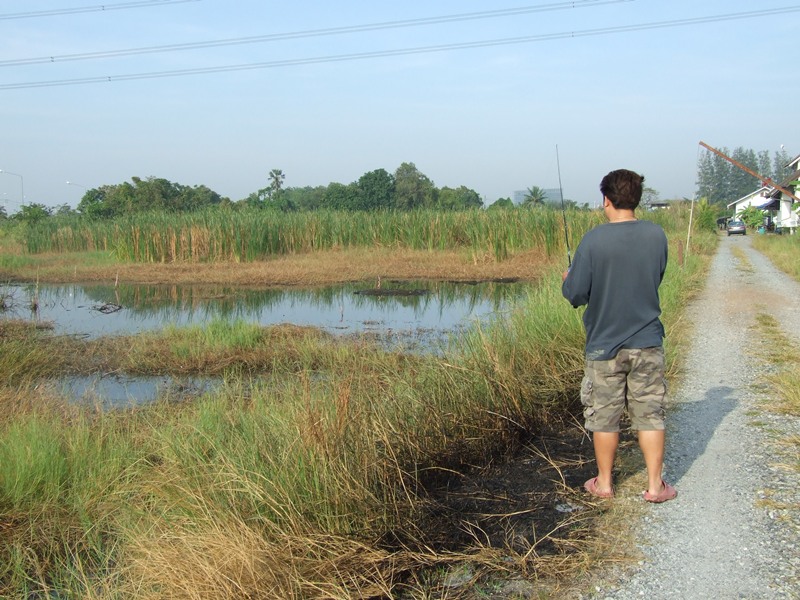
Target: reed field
x,y
304,475
247,235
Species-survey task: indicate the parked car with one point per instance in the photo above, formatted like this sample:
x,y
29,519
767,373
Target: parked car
x,y
737,227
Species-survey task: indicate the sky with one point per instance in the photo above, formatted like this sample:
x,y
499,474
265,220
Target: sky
x,y
497,96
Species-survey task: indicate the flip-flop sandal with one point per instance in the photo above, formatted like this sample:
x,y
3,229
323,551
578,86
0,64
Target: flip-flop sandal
x,y
591,487
667,493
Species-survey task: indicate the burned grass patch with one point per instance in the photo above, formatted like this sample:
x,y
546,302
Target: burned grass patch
x,y
520,504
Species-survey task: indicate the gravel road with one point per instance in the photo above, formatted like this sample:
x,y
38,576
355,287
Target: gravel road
x,y
729,534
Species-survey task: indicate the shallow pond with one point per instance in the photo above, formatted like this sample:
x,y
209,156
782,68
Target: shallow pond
x,y
416,315
102,310
122,391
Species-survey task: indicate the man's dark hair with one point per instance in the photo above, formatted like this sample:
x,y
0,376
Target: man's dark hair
x,y
623,188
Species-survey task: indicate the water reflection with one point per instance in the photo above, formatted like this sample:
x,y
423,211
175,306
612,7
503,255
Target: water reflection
x,y
91,310
119,391
417,315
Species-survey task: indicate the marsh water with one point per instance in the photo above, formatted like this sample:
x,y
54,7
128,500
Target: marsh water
x,y
415,315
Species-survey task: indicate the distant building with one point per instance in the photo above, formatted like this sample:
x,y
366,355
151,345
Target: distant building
x,y
552,196
757,198
780,205
776,205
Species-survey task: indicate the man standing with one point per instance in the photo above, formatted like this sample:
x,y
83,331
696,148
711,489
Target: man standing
x,y
616,272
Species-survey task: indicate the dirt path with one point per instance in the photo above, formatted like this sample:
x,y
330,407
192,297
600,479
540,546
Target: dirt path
x,y
734,530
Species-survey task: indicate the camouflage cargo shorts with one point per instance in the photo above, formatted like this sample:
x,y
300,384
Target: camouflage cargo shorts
x,y
634,379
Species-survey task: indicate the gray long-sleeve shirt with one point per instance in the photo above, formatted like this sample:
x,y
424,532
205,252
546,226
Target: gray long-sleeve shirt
x,y
616,272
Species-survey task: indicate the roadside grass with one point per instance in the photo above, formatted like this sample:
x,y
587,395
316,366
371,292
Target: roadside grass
x,y
782,250
781,397
304,474
784,357
742,262
681,284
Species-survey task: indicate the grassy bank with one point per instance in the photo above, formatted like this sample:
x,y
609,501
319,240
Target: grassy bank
x,y
303,476
783,251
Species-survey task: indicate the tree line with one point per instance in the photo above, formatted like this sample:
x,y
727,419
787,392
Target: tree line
x,y
721,182
405,189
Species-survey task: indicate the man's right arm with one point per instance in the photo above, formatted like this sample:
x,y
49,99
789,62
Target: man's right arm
x,y
576,282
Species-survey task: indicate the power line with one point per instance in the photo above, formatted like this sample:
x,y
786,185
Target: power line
x,y
489,14
407,51
86,9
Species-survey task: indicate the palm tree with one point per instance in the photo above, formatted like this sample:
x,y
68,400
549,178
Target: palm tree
x,y
534,196
276,178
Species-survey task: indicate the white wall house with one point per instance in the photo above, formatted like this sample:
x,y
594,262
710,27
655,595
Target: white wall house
x,y
780,205
774,202
785,217
757,198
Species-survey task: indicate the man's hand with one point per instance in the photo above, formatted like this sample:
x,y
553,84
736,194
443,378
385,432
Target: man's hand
x,y
564,275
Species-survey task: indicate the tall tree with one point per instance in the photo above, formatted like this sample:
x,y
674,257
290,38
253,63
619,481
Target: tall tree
x,y
306,198
63,210
276,179
764,164
339,196
151,193
649,196
93,204
412,188
723,182
192,198
780,170
460,198
742,183
502,203
32,213
376,190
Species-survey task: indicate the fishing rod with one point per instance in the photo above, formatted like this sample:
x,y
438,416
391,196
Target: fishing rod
x,y
563,210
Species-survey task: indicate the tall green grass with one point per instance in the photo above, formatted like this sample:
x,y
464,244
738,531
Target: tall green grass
x,y
251,234
27,352
247,235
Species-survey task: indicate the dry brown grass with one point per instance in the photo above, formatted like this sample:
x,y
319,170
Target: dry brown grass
x,y
235,560
783,354
742,262
319,268
29,398
782,250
